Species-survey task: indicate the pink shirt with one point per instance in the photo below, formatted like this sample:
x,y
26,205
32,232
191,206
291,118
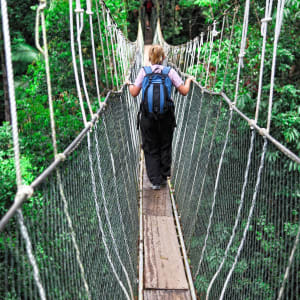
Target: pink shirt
x,y
173,75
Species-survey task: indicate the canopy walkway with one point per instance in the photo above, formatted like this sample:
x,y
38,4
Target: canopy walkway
x,y
89,227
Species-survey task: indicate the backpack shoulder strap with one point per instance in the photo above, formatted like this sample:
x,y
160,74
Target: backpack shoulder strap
x,y
148,70
166,70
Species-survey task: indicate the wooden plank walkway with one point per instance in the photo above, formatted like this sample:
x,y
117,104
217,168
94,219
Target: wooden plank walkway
x,y
164,274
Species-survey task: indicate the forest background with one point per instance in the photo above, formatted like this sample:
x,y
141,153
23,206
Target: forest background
x,y
188,18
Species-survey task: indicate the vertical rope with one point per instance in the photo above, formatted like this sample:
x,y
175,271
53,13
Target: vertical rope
x,y
291,258
75,63
110,26
13,108
106,40
229,46
264,30
40,13
242,49
219,50
11,90
90,14
101,43
31,257
279,18
213,34
79,26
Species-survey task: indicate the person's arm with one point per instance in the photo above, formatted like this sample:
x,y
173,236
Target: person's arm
x,y
185,88
133,89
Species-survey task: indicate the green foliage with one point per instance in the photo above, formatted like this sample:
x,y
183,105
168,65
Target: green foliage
x,y
8,171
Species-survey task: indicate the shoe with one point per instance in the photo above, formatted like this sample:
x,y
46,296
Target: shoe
x,y
155,187
164,182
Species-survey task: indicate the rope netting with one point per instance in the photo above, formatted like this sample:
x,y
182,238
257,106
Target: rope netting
x,y
236,187
84,240
76,237
239,207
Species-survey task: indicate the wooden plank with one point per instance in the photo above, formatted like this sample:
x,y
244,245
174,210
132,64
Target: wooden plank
x,y
166,295
163,262
156,203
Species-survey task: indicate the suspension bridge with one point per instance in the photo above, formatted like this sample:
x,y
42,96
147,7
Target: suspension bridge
x,y
89,227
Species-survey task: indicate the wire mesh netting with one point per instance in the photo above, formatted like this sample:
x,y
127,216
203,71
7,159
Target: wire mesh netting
x,y
238,197
82,221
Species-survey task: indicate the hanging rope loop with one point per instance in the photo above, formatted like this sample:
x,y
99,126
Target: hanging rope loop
x,y
214,31
40,9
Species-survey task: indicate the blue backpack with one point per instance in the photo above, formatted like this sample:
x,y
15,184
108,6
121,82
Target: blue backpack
x,y
156,93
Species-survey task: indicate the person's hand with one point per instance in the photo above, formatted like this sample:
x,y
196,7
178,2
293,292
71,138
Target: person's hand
x,y
192,78
128,82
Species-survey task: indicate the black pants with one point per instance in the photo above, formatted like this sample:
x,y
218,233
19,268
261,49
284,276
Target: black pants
x,y
157,138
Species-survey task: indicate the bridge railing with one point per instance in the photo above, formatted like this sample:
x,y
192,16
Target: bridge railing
x,y
236,187
76,236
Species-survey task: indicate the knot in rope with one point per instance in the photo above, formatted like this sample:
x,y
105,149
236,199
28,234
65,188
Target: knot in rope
x,y
242,54
90,125
79,10
103,105
264,22
231,106
241,57
89,8
251,123
24,190
214,31
42,5
263,132
61,157
95,118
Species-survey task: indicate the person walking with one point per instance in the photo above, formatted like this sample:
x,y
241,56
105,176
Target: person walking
x,y
156,117
148,4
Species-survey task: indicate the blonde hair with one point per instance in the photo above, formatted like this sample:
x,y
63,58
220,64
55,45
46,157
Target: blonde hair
x,y
156,54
